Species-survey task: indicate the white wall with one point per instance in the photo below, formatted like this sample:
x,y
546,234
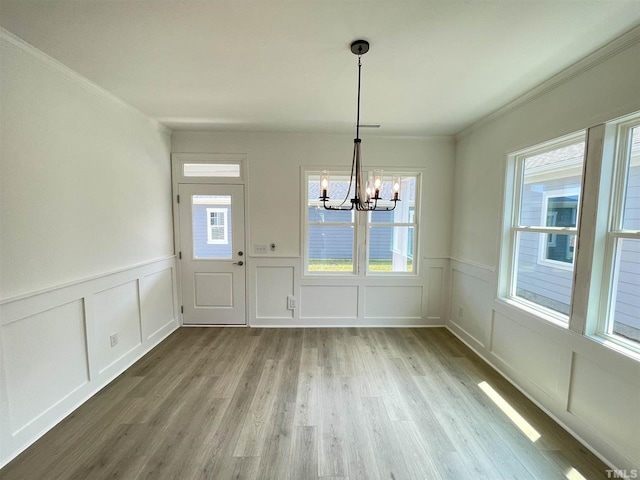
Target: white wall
x,y
274,166
591,389
86,247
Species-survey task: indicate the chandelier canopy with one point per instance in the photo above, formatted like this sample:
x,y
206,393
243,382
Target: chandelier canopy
x,y
366,189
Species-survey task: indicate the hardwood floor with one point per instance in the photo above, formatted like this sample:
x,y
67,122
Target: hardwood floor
x,y
298,404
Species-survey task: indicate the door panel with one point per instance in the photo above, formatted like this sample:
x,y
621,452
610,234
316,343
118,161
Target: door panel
x,y
212,243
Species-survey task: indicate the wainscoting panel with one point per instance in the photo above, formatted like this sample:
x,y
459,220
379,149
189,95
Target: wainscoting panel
x,y
471,300
533,356
116,312
45,357
393,302
435,285
157,297
595,390
329,302
273,285
55,345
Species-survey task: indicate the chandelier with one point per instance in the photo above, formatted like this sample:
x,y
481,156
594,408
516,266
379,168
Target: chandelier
x,y
366,190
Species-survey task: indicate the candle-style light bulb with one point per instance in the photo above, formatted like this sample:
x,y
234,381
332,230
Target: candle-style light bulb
x,y
324,183
377,178
396,187
377,182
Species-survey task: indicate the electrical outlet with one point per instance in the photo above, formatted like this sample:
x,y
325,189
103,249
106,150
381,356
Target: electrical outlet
x,y
291,302
113,340
460,311
260,249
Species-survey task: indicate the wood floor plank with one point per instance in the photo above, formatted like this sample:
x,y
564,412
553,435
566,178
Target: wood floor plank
x,y
307,401
332,459
298,404
304,458
388,456
255,429
360,450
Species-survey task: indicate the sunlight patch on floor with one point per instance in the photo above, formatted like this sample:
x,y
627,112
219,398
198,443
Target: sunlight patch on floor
x,y
517,419
574,474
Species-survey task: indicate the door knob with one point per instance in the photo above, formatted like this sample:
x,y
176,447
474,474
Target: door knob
x,y
239,263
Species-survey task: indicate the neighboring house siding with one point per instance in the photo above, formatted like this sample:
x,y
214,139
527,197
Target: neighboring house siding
x,y
551,286
336,242
202,249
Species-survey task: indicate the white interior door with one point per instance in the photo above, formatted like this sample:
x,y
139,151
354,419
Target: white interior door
x,y
212,266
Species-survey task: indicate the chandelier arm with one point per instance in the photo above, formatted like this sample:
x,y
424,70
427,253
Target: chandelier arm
x,y
353,166
341,205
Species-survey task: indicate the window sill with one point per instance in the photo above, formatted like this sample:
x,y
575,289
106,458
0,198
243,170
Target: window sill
x,y
538,313
616,345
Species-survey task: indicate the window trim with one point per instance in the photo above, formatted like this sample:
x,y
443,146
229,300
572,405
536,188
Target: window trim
x,y
361,226
512,228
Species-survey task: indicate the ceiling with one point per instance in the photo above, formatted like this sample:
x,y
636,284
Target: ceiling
x,y
434,68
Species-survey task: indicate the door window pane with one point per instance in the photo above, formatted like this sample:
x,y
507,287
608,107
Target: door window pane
x,y
211,219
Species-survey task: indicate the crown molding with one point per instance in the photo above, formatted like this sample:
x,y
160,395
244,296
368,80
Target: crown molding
x,y
626,40
21,46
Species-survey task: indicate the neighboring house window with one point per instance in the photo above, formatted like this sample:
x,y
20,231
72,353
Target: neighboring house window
x,y
217,226
620,318
364,243
560,209
542,226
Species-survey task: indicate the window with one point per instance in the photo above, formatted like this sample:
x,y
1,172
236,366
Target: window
x,y
231,170
583,274
542,226
217,226
621,316
366,243
560,209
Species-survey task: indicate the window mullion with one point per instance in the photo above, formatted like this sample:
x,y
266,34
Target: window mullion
x,y
362,239
587,275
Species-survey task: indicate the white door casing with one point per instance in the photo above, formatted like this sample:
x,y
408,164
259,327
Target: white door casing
x,y
212,246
